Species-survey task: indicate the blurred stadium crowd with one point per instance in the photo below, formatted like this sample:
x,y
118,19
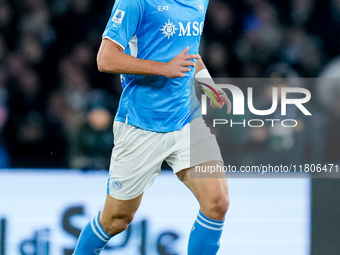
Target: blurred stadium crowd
x,y
56,109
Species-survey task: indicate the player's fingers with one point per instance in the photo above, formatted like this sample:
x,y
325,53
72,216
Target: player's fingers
x,y
227,102
185,69
212,104
189,63
216,104
178,75
192,56
185,51
228,106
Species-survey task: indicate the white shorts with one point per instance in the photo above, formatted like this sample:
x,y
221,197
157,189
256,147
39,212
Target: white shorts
x,y
138,155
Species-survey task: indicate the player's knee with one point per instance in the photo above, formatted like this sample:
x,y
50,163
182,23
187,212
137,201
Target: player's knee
x,y
221,204
217,206
118,224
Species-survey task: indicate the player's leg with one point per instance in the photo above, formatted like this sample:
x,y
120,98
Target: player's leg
x,y
212,194
197,146
115,218
211,190
135,163
118,214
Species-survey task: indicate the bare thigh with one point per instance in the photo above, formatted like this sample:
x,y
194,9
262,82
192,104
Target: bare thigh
x,y
211,192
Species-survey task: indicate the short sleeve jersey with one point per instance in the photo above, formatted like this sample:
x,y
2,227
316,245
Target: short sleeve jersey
x,y
157,30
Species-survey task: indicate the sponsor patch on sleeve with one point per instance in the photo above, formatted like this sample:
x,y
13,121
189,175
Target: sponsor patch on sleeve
x,y
118,16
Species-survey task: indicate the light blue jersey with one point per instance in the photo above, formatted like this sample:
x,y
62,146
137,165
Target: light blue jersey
x,y
157,30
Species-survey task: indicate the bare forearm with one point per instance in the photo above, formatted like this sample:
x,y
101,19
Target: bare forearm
x,y
126,64
199,66
112,59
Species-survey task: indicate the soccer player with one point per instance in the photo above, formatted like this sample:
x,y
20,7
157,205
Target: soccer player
x,y
154,44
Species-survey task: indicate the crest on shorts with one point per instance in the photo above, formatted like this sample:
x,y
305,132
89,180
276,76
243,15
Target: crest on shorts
x,y
98,251
117,185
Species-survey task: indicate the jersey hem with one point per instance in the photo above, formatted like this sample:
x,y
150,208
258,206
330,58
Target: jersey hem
x,y
123,120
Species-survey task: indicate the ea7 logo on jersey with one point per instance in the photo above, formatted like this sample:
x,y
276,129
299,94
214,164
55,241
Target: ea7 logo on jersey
x,y
163,8
118,16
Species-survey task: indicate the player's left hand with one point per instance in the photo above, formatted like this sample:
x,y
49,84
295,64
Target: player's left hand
x,y
225,101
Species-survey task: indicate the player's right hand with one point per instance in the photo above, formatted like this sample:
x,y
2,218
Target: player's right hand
x,y
180,65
